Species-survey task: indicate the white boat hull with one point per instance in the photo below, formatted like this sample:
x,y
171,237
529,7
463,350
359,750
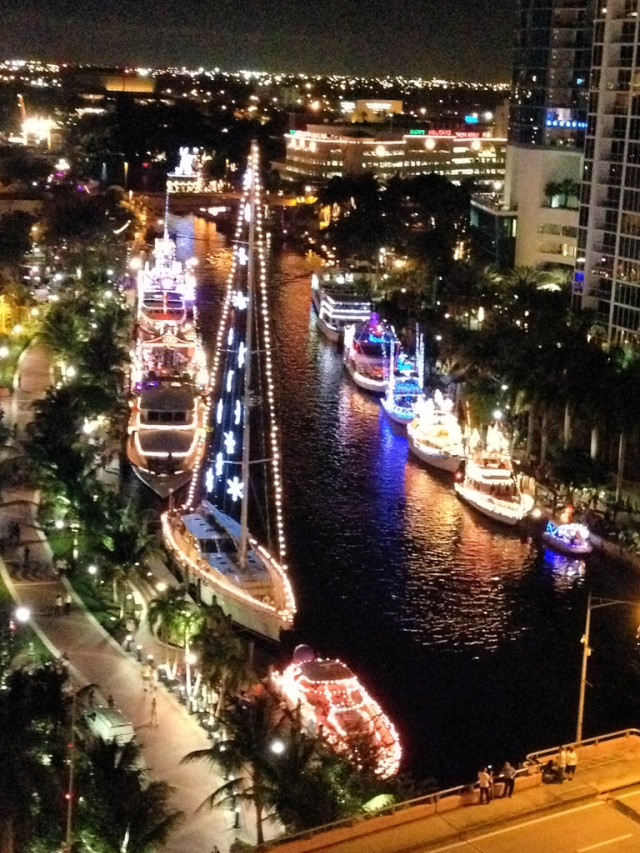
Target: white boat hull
x,y
435,458
374,386
331,332
491,509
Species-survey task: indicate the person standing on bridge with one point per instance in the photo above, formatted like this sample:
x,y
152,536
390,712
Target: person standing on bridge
x,y
509,776
572,760
562,763
484,783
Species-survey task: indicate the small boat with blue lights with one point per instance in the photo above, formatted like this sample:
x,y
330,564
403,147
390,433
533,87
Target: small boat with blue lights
x,y
435,436
331,700
572,538
340,298
370,354
228,536
403,398
489,484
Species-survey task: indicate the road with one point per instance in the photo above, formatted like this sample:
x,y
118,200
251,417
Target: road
x,y
610,825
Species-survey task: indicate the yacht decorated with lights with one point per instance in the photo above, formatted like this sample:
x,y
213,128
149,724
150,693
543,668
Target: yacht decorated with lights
x,y
168,373
340,298
404,395
331,700
489,483
228,536
435,436
370,350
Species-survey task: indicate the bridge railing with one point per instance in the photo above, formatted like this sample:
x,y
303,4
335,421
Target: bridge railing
x,y
532,767
536,759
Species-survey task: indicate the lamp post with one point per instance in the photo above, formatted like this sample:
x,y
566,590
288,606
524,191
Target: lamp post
x,y
592,604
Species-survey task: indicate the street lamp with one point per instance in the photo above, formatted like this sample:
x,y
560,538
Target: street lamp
x,y
22,614
592,604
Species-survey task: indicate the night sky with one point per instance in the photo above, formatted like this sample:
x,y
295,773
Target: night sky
x,y
456,39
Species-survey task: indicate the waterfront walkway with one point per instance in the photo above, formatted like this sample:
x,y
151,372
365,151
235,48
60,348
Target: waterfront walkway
x,y
96,658
600,808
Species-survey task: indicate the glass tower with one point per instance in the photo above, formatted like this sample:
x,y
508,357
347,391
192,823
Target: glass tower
x,y
608,264
551,71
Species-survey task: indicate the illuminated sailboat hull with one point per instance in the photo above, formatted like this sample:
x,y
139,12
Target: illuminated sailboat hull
x,y
237,474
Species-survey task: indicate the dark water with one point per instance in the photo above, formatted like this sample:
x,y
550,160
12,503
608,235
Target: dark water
x,y
469,640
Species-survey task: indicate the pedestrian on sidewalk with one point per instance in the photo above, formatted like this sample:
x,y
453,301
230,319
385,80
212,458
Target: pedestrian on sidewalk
x,y
509,775
484,783
572,760
562,763
110,702
146,677
58,605
67,604
25,556
154,712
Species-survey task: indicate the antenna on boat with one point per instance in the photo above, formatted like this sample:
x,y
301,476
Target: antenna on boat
x,y
166,214
246,434
420,355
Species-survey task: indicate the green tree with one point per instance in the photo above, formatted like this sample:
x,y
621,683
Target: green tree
x,y
246,753
121,810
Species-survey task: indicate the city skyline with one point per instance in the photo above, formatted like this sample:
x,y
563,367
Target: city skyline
x,y
428,39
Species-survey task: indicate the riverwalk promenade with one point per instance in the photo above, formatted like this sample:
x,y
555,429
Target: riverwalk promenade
x,y
96,658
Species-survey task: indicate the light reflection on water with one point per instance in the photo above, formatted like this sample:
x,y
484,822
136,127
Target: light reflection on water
x,y
468,638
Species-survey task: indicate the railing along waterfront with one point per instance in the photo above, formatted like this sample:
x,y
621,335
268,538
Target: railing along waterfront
x,y
532,766
535,759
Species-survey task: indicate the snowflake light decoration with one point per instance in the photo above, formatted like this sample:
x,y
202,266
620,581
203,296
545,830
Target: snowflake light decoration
x,y
208,480
219,464
229,443
239,300
235,488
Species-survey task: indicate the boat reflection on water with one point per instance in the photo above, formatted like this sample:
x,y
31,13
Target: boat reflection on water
x,y
566,566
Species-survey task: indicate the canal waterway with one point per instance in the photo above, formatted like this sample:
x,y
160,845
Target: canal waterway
x,y
469,639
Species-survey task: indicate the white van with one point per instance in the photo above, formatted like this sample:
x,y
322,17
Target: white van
x,y
109,725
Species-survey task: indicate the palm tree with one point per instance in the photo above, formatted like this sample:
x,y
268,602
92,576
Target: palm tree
x,y
246,752
121,811
124,542
162,615
32,715
222,657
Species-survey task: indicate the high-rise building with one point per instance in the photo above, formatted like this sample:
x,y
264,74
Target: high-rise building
x,y
551,72
607,277
533,219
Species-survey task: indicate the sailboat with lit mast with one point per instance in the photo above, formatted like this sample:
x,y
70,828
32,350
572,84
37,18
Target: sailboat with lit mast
x,y
228,538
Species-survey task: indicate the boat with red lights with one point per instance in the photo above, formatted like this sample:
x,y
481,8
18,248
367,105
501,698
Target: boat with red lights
x,y
227,537
332,700
370,353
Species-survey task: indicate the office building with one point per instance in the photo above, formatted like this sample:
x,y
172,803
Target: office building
x,y
323,151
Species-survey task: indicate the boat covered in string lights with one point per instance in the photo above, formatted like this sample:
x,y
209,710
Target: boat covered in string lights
x,y
489,483
404,395
168,374
340,298
572,538
435,436
228,536
369,353
332,701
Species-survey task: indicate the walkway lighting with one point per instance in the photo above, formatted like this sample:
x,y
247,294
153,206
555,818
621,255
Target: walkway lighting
x,y
23,614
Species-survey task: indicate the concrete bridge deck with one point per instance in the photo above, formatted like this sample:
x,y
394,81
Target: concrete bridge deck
x,y
599,809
